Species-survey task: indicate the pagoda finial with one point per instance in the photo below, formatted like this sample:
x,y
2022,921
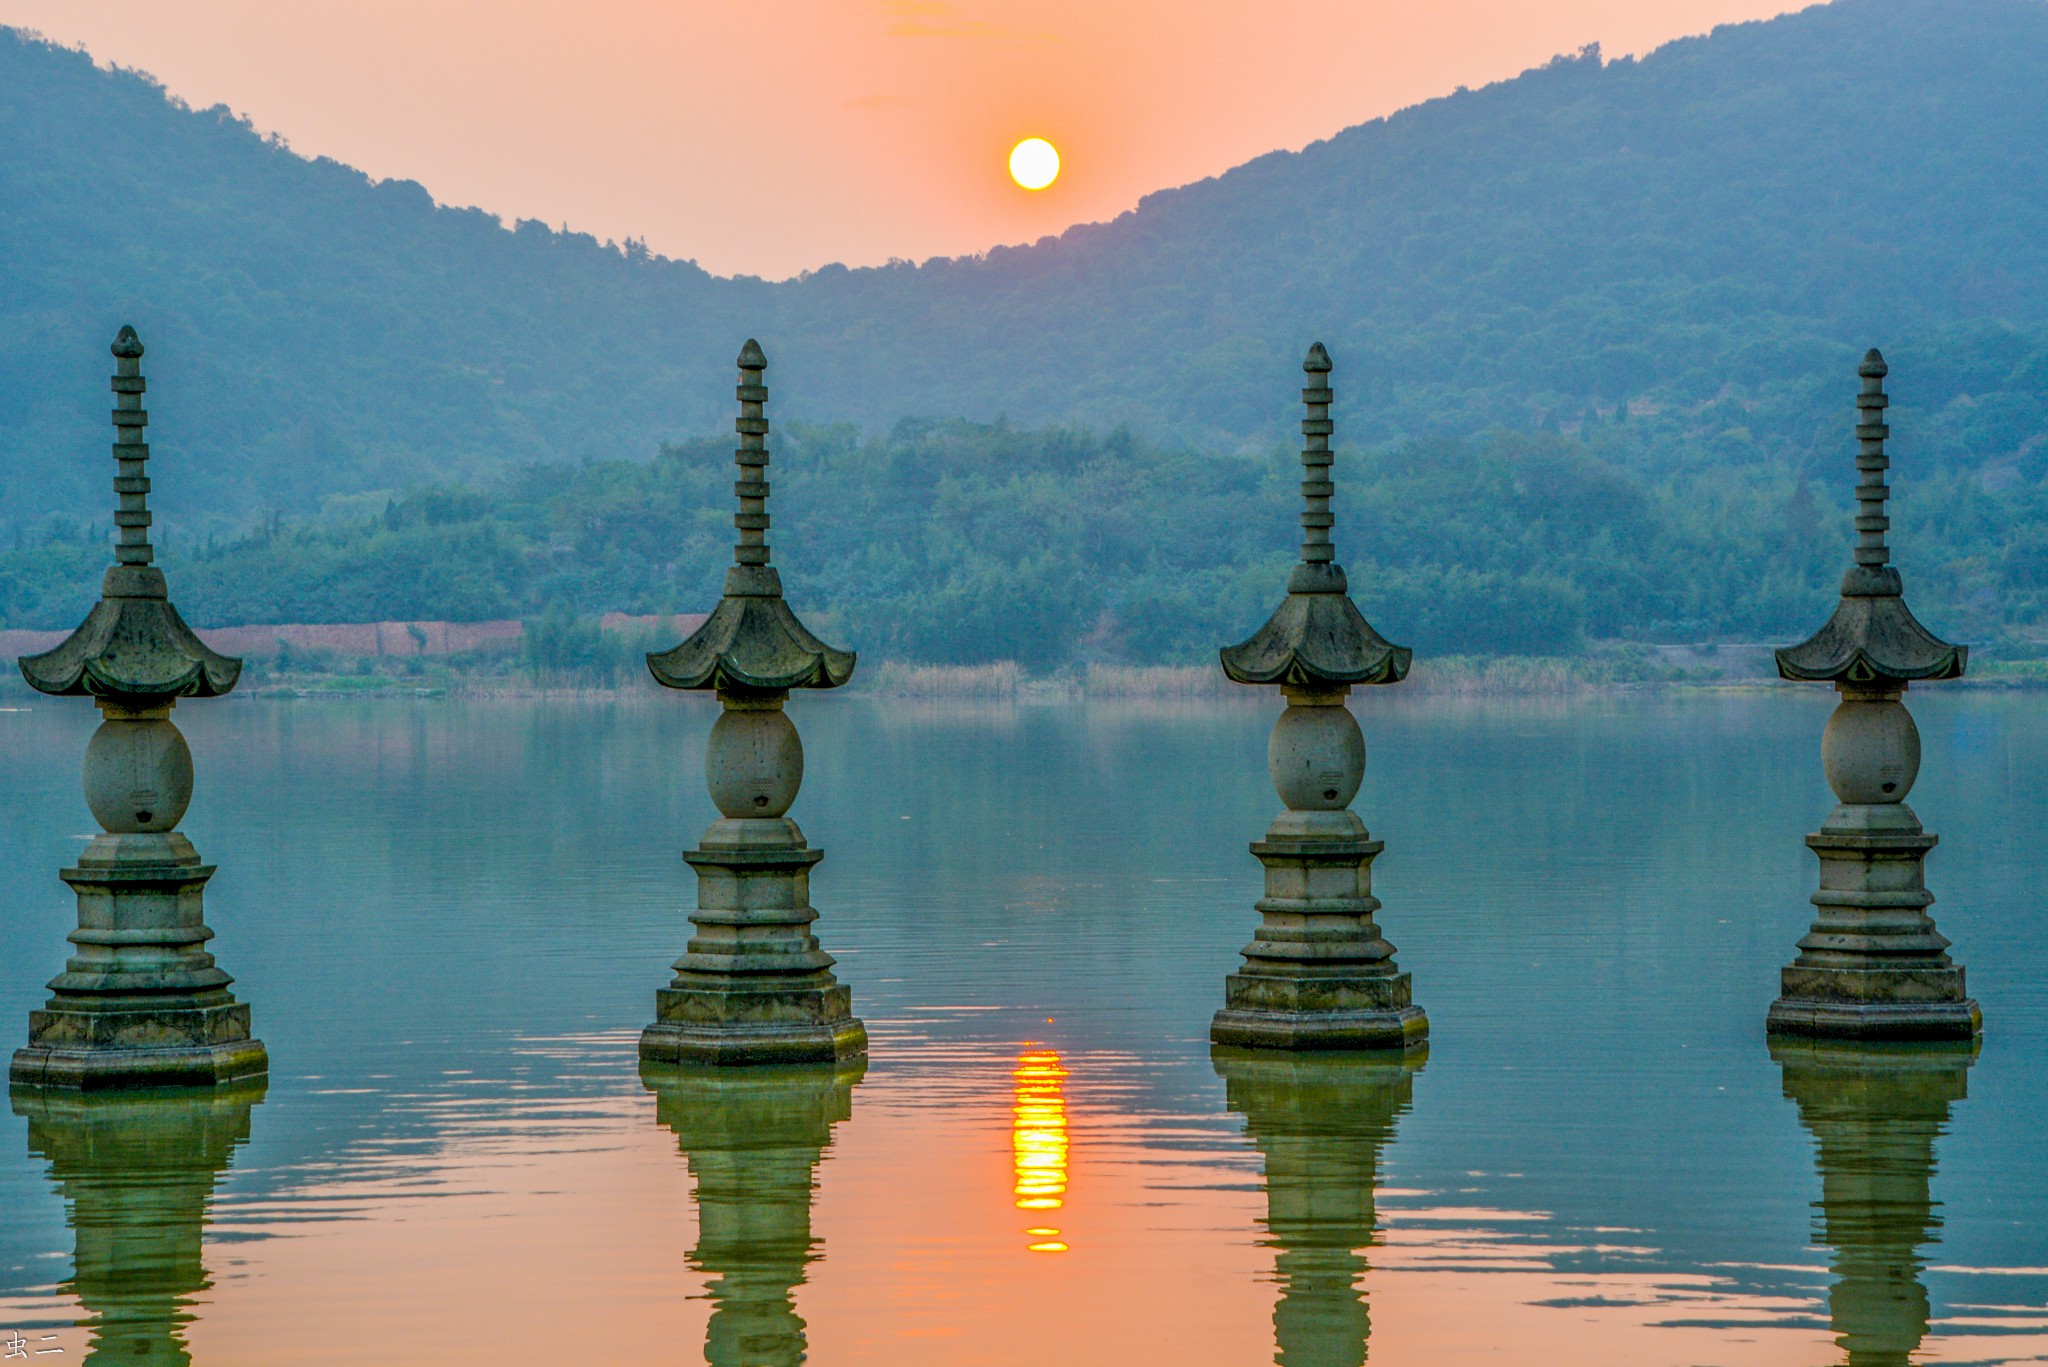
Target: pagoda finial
x,y
1872,636
1316,486
131,485
1317,638
752,642
752,488
133,648
1871,463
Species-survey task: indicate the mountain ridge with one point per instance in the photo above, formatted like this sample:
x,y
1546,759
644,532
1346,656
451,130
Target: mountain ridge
x,y
1733,213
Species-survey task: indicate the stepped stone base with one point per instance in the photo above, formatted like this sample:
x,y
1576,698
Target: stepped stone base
x,y
140,1003
102,1067
778,1025
1834,1018
754,987
1873,966
93,1045
1405,1029
1262,1011
1318,974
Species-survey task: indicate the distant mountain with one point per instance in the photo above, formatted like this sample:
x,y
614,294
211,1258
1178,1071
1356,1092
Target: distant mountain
x,y
1731,218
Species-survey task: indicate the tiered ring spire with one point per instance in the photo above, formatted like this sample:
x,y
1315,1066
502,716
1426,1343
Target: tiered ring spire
x,y
752,642
1317,638
1872,635
133,647
1873,966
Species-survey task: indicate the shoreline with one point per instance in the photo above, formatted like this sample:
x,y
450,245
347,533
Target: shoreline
x,y
1599,673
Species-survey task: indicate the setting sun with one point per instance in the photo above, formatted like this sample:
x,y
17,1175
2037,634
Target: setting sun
x,y
1034,163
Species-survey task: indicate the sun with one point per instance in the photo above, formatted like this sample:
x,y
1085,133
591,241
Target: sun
x,y
1034,163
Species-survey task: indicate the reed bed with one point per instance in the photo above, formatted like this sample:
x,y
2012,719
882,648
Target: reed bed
x,y
1002,679
1472,676
1158,683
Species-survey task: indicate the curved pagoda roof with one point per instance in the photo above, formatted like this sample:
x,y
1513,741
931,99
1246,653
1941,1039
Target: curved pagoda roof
x,y
1317,638
133,647
752,642
1872,636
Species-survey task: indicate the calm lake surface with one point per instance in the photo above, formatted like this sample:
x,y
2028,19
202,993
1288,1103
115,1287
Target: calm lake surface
x,y
451,918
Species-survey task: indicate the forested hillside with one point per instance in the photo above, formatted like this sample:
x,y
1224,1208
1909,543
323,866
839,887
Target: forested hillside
x,y
961,543
1595,328
1735,214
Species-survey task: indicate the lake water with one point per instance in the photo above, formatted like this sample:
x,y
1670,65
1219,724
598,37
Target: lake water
x,y
451,918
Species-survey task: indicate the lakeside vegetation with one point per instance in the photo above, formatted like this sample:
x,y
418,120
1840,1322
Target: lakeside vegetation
x,y
955,543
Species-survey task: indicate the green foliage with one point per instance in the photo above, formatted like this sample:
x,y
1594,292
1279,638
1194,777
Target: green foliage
x,y
960,543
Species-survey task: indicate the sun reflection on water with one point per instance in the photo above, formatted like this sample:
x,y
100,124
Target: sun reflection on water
x,y
1038,1141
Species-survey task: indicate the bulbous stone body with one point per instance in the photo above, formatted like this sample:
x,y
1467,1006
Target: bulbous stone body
x,y
138,774
1316,756
1871,750
754,762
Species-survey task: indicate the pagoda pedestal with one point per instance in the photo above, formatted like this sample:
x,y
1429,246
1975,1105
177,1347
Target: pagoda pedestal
x,y
1318,974
754,987
141,1002
1873,967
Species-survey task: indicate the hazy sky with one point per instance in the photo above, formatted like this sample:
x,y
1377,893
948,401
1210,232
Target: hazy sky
x,y
774,136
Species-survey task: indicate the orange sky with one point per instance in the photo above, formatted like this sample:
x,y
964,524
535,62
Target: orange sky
x,y
769,138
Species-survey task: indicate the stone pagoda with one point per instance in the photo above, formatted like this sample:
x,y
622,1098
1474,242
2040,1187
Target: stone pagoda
x,y
1872,966
1318,974
141,1002
754,986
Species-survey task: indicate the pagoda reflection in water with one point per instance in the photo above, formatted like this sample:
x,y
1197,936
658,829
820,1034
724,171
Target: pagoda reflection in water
x,y
1321,1121
1874,1112
753,1138
137,1172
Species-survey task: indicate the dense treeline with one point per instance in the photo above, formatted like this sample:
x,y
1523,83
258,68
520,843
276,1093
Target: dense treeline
x,y
956,542
1714,231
